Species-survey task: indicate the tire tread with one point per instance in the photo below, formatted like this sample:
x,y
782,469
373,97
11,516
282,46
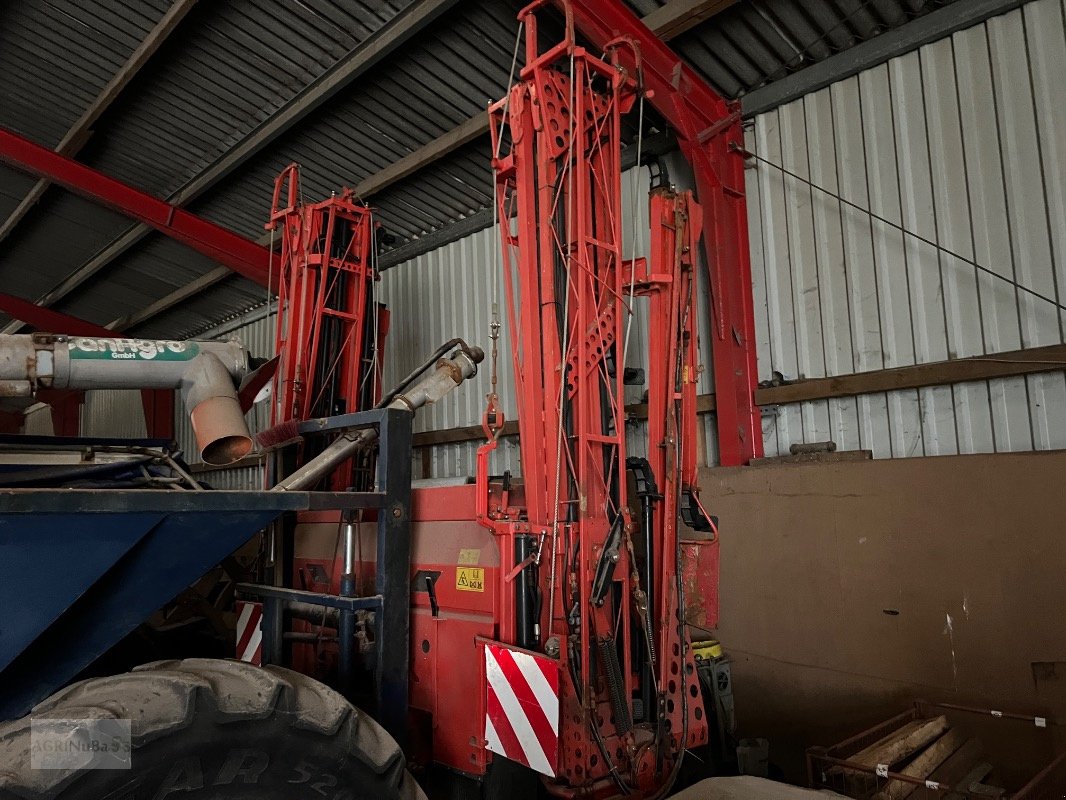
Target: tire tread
x,y
163,698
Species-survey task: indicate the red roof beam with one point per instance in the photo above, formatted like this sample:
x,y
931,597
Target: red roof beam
x,y
230,249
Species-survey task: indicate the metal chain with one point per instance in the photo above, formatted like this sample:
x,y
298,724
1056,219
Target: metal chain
x,y
492,408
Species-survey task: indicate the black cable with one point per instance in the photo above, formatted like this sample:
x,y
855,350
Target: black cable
x,y
405,384
601,744
907,232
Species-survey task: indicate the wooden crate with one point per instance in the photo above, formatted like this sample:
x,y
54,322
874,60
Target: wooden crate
x,y
927,753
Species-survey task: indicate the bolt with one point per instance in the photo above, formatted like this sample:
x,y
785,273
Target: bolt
x,y
397,512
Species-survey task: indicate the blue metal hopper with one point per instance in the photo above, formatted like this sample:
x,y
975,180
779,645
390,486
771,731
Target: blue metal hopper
x,y
81,569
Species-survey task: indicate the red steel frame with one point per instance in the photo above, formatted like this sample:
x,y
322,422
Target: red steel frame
x,y
324,326
708,130
49,320
329,332
558,181
564,163
673,373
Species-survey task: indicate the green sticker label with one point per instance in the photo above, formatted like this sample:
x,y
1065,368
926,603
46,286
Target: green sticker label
x,y
91,347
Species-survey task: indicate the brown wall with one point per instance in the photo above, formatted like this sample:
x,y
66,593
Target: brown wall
x,y
815,558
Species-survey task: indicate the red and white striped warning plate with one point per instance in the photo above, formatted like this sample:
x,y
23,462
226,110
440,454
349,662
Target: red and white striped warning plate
x,y
522,707
250,632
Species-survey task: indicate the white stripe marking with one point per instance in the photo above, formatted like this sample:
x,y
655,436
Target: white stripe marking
x,y
542,690
492,738
527,738
257,633
242,620
253,645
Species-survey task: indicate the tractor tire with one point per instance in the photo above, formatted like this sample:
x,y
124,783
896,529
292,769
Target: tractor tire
x,y
205,729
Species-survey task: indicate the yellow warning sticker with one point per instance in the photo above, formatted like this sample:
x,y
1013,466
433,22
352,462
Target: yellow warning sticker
x,y
470,579
469,556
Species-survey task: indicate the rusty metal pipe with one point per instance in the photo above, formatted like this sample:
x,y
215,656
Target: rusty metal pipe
x,y
217,420
16,389
435,384
206,372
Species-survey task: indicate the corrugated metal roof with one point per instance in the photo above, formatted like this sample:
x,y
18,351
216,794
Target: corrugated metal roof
x,y
56,56
64,232
224,301
758,41
14,185
229,66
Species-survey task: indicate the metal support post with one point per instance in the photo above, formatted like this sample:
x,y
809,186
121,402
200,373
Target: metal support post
x,y
393,576
710,137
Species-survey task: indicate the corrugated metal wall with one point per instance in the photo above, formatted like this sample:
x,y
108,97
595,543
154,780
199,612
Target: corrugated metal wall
x,y
962,144
432,298
248,476
113,412
37,420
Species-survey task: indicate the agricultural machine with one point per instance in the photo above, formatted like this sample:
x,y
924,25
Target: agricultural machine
x,y
508,634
